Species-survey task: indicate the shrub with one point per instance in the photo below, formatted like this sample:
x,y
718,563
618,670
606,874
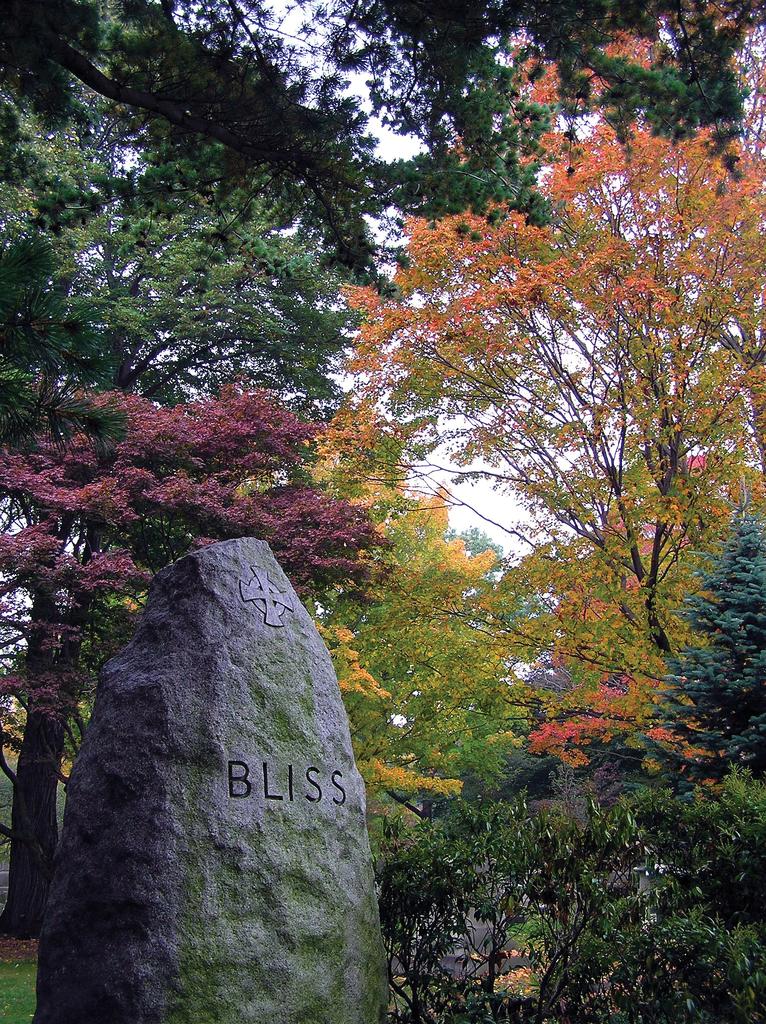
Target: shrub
x,y
650,911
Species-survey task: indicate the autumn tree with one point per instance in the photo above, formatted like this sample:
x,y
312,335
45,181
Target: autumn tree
x,y
423,684
82,534
426,686
578,362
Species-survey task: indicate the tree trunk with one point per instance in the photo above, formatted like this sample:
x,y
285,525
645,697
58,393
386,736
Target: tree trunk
x,y
758,421
656,631
34,826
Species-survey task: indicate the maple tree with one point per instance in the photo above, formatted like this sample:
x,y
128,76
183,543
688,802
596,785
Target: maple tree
x,y
83,532
422,682
425,685
578,362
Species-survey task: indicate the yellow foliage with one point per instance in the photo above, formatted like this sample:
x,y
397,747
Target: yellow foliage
x,y
422,683
382,776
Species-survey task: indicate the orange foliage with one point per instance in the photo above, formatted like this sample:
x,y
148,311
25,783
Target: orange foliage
x,y
611,370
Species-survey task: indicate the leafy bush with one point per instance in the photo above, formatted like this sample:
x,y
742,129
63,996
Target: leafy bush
x,y
650,911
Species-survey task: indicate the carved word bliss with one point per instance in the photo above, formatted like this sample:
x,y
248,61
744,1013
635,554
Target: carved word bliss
x,y
293,785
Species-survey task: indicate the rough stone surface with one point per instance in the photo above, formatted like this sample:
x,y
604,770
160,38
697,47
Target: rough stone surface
x,y
185,893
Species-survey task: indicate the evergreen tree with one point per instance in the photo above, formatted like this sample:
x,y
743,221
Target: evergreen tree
x,y
192,287
717,705
49,351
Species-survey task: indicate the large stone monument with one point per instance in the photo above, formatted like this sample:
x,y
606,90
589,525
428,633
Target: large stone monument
x,y
214,866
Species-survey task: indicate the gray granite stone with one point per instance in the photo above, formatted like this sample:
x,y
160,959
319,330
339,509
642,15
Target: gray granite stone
x,y
214,864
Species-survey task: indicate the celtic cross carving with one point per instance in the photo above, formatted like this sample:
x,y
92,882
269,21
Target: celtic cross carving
x,y
261,591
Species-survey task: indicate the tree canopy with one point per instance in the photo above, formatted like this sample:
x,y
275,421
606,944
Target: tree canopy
x,y
242,87
577,361
187,287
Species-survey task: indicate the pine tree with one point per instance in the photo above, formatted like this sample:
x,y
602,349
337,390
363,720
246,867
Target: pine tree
x,y
717,704
50,350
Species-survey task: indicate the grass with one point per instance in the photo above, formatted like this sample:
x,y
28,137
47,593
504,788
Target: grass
x,y
17,992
